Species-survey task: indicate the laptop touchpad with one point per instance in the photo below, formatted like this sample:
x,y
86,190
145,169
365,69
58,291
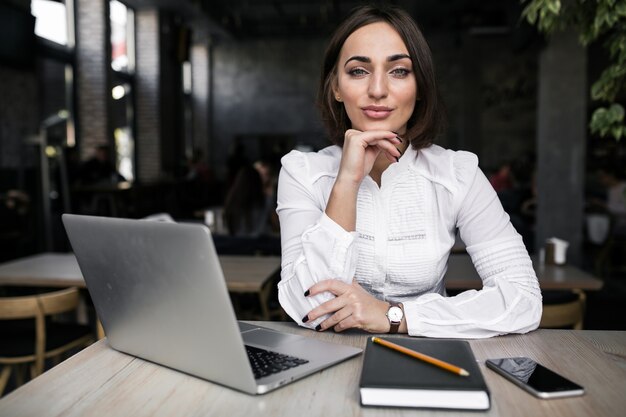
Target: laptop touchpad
x,y
269,338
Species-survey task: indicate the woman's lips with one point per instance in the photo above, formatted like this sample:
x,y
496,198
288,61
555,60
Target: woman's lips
x,y
377,112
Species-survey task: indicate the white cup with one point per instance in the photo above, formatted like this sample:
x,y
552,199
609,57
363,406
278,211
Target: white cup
x,y
559,248
209,219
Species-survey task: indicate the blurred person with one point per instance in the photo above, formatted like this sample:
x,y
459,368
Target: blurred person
x,y
237,159
15,223
249,207
197,168
99,169
269,180
615,202
502,179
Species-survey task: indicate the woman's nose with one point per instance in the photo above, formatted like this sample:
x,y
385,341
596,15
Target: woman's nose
x,y
378,86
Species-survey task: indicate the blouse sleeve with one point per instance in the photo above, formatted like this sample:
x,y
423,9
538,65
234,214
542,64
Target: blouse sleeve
x,y
314,247
510,301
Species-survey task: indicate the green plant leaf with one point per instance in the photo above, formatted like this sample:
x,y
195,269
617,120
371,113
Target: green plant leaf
x,y
605,122
554,6
592,20
616,112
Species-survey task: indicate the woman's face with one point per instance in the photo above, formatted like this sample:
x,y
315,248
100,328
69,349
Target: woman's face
x,y
375,79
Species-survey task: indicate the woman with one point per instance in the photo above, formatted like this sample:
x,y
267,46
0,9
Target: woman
x,y
367,225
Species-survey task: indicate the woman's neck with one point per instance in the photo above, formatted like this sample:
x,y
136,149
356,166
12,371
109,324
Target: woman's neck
x,y
380,165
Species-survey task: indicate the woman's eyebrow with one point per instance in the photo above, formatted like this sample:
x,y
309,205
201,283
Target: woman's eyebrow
x,y
358,58
397,57
368,60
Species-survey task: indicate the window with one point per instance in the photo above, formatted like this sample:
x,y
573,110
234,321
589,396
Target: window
x,y
52,21
122,37
187,108
122,20
122,119
54,27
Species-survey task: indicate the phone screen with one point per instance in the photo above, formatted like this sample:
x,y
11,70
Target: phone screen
x,y
529,373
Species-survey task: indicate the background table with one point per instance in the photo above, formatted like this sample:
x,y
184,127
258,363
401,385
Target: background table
x,y
101,381
462,275
243,274
250,273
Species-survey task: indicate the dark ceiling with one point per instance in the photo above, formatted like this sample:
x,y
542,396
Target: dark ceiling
x,y
301,18
246,19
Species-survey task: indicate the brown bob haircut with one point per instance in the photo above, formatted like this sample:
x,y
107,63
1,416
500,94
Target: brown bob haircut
x,y
428,118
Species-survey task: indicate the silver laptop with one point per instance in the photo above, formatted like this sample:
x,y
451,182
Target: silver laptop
x,y
160,294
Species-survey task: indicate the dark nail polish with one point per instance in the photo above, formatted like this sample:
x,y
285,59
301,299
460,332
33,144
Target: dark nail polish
x,y
305,318
307,293
399,138
397,159
318,328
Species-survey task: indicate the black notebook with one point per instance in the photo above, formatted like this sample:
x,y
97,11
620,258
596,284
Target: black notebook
x,y
391,378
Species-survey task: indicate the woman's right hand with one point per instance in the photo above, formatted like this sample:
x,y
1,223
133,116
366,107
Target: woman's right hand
x,y
360,150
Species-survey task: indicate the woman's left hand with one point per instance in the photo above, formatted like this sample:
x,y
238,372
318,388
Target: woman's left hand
x,y
353,307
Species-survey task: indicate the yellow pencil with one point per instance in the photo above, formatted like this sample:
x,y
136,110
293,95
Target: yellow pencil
x,y
428,359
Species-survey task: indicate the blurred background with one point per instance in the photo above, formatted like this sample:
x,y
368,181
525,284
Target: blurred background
x,y
138,107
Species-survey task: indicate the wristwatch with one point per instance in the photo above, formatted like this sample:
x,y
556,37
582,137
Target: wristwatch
x,y
395,315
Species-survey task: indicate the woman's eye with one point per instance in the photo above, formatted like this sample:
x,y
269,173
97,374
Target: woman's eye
x,y
357,72
400,72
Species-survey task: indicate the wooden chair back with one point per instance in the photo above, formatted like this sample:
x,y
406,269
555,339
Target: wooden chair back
x,y
569,314
39,306
30,306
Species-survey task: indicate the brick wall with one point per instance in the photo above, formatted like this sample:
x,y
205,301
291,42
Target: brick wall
x,y
200,67
19,117
91,74
147,103
19,113
93,91
264,87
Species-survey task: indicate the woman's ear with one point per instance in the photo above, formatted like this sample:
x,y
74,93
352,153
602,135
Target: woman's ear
x,y
336,93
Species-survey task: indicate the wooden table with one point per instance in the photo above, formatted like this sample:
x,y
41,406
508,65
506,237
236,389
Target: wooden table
x,y
251,274
101,381
243,274
462,275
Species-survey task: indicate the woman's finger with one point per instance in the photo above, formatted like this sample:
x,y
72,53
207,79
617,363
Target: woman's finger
x,y
334,286
370,137
329,307
339,317
393,154
345,324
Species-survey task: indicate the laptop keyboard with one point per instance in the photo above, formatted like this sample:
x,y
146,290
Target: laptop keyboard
x,y
265,362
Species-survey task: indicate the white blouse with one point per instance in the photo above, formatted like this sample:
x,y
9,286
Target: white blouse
x,y
404,232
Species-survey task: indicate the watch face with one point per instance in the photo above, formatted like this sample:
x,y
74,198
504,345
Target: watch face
x,y
395,314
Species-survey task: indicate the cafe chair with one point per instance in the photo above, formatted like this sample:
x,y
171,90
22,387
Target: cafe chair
x,y
563,309
30,336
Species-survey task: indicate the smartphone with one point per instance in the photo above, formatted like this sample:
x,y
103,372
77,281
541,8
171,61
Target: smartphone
x,y
535,378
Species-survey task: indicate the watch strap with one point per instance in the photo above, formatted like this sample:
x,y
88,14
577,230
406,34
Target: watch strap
x,y
394,326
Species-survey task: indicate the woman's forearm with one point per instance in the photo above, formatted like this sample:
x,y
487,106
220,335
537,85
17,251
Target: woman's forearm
x,y
341,207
